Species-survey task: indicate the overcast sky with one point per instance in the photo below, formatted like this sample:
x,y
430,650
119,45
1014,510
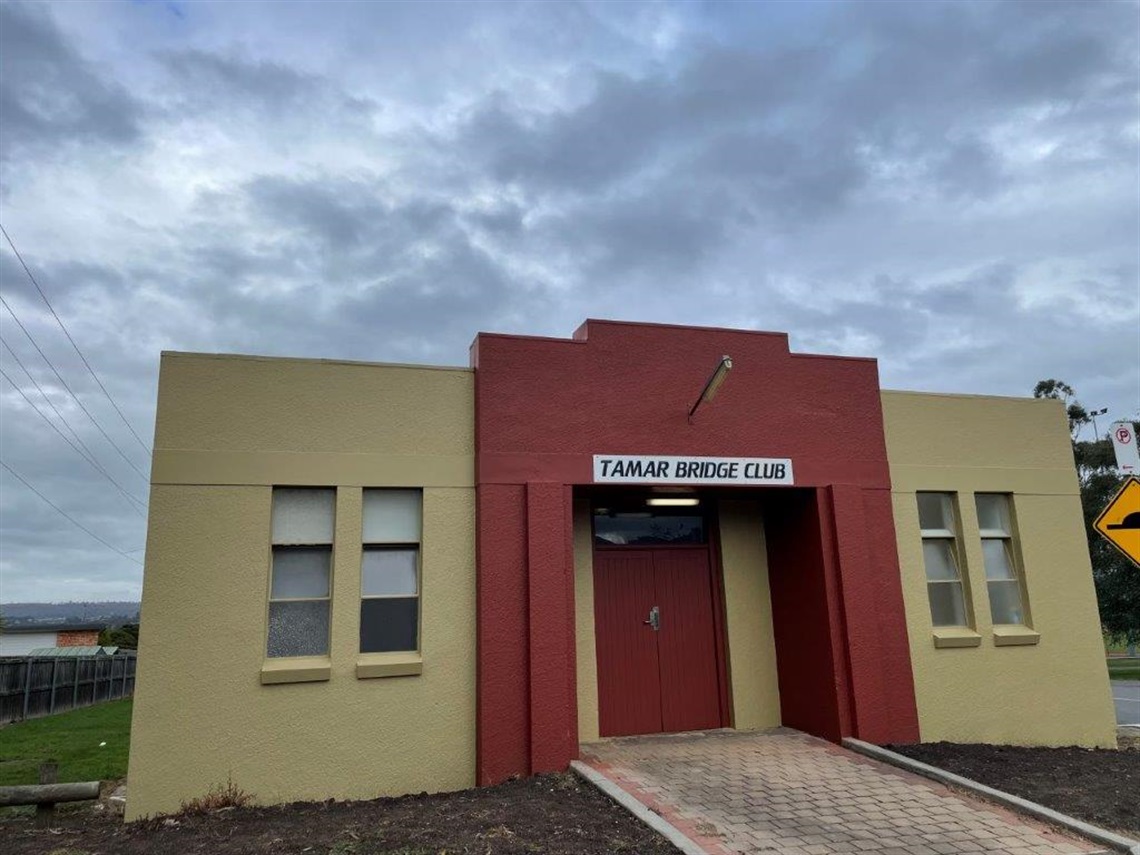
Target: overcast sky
x,y
950,188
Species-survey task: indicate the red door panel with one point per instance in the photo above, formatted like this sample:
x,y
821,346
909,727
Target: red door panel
x,y
686,642
629,688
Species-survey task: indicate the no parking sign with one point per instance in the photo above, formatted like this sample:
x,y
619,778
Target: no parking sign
x,y
1124,444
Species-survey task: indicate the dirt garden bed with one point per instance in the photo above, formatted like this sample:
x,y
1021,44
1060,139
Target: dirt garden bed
x,y
556,814
1097,785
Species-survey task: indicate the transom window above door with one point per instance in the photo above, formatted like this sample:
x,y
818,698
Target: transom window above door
x,y
633,523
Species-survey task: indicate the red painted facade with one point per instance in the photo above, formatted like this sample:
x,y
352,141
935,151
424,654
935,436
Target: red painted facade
x,y
544,407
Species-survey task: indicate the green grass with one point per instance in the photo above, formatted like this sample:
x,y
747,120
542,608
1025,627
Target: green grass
x,y
73,740
1124,669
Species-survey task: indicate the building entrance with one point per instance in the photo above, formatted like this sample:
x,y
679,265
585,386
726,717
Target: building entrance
x,y
655,624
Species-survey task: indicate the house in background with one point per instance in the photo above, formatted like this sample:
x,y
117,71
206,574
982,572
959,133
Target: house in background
x,y
22,640
79,651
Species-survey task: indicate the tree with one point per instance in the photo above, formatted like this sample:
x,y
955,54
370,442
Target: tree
x,y
1061,391
1116,578
125,636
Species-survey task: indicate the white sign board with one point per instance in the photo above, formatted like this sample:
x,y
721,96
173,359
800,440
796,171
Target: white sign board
x,y
651,469
1124,444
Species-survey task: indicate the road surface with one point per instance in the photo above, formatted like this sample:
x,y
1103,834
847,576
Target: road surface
x,y
1126,696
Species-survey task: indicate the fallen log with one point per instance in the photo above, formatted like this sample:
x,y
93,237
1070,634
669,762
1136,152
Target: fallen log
x,y
42,794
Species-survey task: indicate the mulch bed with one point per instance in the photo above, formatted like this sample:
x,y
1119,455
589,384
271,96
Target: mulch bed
x,y
556,814
1097,785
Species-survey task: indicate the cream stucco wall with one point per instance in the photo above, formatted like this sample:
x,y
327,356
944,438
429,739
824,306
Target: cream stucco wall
x,y
202,715
1053,692
748,616
586,652
751,645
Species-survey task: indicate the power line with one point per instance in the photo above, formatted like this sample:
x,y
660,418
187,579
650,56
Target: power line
x,y
90,461
47,398
63,382
65,514
47,303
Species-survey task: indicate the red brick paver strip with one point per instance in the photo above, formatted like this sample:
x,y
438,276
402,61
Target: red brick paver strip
x,y
781,792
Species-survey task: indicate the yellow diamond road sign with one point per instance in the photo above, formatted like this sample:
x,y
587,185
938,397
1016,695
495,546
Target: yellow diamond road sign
x,y
1120,521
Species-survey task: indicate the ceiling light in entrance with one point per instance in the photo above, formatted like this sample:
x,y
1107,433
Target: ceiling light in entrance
x,y
672,502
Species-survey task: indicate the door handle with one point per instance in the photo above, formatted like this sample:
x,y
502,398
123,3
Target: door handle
x,y
654,619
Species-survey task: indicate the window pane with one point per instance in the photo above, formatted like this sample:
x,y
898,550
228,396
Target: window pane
x,y
300,571
946,606
391,516
299,629
1005,602
993,512
303,516
934,511
939,557
388,571
998,565
645,528
387,625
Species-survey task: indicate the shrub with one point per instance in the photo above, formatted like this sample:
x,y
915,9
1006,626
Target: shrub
x,y
218,797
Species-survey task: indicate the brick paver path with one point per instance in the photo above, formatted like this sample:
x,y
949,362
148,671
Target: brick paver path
x,y
781,792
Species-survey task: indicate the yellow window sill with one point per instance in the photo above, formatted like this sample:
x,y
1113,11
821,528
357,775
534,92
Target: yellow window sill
x,y
296,669
956,636
369,665
1012,635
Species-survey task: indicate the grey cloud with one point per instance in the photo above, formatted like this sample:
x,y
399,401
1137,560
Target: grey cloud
x,y
50,96
72,279
453,292
801,122
968,168
949,187
968,334
209,81
216,74
359,273
79,291
338,214
989,291
355,226
630,122
981,56
38,543
625,123
663,232
502,220
769,171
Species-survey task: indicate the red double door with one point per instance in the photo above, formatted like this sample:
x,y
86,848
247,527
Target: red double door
x,y
656,641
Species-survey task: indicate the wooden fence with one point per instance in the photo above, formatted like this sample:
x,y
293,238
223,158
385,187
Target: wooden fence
x,y
34,686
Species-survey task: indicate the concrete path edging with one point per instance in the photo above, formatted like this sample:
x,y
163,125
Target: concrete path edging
x,y
1091,832
655,821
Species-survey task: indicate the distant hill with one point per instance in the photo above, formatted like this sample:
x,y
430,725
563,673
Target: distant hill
x,y
112,613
